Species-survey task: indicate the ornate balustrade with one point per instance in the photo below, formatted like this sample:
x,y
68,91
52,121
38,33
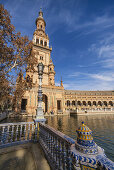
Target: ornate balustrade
x,y
56,146
62,155
17,133
59,148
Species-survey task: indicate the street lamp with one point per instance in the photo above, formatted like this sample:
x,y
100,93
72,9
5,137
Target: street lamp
x,y
39,110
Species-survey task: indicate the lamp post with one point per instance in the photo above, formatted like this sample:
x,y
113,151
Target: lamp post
x,y
39,110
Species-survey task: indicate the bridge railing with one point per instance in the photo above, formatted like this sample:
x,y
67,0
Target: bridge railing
x,y
58,147
14,133
61,154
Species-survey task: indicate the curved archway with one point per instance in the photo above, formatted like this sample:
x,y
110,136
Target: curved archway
x,y
89,103
45,103
110,103
79,103
41,42
37,41
73,103
99,103
105,103
94,103
68,102
45,43
84,103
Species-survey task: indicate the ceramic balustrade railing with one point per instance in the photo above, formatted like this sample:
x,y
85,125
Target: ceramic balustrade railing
x,y
56,146
13,133
58,149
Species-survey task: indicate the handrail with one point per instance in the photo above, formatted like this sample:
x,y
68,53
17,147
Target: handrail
x,y
15,123
58,147
17,133
61,153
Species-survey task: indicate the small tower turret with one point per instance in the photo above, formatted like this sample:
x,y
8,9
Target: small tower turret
x,y
61,82
39,36
40,22
51,73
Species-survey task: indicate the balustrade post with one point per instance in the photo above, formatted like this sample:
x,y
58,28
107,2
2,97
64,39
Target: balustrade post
x,y
36,131
63,156
20,134
3,135
28,131
16,133
68,157
12,133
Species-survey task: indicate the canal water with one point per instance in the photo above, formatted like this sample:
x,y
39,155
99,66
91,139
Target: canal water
x,y
101,125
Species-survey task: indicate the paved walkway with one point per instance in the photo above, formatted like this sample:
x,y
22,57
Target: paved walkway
x,y
23,157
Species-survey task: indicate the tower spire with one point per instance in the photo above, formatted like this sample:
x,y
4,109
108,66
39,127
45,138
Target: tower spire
x,y
61,82
40,12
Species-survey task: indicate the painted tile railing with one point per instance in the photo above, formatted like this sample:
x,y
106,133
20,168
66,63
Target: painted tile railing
x,y
62,152
16,133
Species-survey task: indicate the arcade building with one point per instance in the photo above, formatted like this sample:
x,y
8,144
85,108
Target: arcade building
x,y
56,99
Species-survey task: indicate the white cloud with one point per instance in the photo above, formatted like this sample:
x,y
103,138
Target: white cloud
x,y
104,51
88,81
102,77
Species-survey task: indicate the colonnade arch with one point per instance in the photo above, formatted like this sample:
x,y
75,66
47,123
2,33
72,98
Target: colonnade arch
x,y
89,103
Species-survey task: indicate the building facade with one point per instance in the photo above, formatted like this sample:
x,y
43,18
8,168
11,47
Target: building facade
x,y
56,99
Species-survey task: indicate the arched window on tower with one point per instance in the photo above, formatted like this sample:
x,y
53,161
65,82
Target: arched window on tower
x,y
45,43
37,41
41,42
41,58
28,78
41,26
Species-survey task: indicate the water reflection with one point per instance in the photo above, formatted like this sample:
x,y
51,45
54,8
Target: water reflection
x,y
101,125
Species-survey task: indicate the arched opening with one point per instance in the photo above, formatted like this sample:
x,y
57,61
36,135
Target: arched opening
x,y
73,103
45,43
68,103
41,42
41,58
28,78
79,103
37,41
99,103
105,103
45,103
84,103
110,103
94,103
89,103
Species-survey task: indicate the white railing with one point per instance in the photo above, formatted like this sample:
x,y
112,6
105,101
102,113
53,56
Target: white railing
x,y
21,132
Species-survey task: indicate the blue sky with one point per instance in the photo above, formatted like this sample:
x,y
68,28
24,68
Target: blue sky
x,y
81,34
